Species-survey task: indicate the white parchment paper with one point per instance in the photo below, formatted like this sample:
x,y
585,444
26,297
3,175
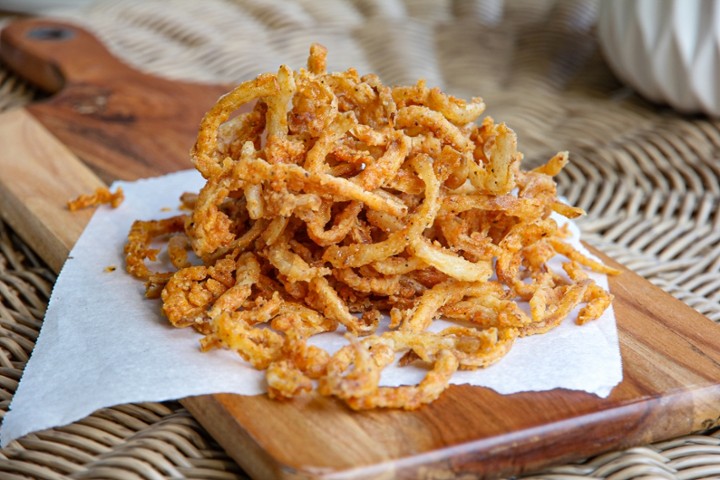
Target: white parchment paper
x,y
103,344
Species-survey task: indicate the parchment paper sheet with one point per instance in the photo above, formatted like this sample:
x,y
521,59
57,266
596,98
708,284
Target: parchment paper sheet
x,y
102,343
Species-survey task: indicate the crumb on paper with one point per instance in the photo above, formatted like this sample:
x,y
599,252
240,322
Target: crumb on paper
x,y
110,268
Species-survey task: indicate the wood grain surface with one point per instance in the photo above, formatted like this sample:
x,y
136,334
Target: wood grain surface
x,y
671,354
36,184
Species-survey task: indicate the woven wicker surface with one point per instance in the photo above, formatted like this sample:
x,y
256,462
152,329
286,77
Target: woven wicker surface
x,y
648,178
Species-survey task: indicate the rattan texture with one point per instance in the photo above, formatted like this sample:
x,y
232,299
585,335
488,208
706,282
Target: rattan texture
x,y
648,177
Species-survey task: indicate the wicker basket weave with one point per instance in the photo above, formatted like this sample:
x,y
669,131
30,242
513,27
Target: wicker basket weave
x,y
648,177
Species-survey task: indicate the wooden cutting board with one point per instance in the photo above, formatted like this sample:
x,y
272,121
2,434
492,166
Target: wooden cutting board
x,y
107,121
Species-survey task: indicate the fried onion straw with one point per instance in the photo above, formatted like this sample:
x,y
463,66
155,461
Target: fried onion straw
x,y
332,200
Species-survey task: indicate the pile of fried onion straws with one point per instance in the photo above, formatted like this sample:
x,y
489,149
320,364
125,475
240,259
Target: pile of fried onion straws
x,y
335,202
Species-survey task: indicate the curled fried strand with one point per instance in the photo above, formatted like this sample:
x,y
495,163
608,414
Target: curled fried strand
x,y
102,195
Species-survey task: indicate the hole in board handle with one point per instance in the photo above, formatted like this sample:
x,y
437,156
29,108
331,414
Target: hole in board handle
x,y
52,34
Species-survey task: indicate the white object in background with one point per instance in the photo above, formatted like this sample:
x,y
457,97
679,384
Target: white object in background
x,y
667,50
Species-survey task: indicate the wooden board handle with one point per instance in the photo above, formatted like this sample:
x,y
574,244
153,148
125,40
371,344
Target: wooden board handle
x,y
121,122
51,53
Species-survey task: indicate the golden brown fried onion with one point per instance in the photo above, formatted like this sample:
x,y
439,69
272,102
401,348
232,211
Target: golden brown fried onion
x,y
101,195
331,199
